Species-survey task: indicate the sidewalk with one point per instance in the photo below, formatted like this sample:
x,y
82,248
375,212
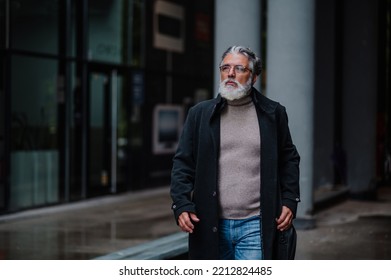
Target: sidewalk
x,y
88,229
350,230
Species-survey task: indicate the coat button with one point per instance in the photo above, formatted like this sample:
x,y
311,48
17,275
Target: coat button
x,y
214,229
297,199
214,194
174,206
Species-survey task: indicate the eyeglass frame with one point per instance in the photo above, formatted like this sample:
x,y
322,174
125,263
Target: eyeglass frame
x,y
235,69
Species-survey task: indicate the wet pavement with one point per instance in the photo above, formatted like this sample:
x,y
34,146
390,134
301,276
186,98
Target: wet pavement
x,y
351,229
86,230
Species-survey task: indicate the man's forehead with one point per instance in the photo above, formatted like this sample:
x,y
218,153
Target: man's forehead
x,y
231,57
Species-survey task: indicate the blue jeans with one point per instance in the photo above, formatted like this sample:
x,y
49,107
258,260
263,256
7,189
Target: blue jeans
x,y
240,239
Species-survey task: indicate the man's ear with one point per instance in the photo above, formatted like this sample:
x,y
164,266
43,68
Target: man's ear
x,y
255,77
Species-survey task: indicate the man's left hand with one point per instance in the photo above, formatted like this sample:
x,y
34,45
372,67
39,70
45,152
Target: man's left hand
x,y
285,220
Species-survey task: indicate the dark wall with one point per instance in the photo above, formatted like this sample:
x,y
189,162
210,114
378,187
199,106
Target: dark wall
x,y
186,71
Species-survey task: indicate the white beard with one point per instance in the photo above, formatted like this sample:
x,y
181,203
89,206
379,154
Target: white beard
x,y
232,93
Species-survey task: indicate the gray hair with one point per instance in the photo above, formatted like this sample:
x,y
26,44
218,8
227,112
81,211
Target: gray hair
x,y
255,61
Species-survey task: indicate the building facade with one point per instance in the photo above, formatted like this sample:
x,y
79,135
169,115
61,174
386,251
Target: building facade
x,y
94,93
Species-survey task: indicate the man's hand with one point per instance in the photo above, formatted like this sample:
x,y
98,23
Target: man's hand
x,y
186,220
285,220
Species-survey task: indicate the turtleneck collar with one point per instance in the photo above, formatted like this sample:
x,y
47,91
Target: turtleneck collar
x,y
240,102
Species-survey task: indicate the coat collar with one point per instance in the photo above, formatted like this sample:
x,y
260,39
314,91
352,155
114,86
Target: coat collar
x,y
262,102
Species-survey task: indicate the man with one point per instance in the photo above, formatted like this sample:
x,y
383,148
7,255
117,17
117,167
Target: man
x,y
235,175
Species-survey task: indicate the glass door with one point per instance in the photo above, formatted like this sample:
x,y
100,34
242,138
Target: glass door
x,y
2,137
108,135
34,162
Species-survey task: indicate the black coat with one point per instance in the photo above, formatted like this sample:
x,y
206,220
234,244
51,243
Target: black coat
x,y
195,172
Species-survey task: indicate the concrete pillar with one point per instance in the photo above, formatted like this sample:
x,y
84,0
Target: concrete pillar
x,y
360,51
236,23
290,81
327,79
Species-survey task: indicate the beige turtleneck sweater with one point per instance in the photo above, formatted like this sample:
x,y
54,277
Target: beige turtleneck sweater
x,y
239,162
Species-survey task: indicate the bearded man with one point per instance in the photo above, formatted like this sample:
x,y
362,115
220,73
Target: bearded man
x,y
235,175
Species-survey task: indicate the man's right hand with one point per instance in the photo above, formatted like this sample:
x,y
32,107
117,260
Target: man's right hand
x,y
186,220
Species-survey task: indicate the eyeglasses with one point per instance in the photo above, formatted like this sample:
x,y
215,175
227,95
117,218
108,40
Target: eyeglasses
x,y
239,69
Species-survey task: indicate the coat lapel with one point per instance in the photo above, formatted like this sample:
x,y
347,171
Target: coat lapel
x,y
269,168
214,122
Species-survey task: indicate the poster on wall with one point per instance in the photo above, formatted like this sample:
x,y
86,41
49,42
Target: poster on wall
x,y
167,127
168,26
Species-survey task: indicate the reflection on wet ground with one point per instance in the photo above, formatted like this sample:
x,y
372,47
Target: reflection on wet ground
x,y
364,239
350,230
89,232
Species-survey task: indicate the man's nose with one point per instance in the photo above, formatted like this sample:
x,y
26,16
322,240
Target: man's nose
x,y
231,72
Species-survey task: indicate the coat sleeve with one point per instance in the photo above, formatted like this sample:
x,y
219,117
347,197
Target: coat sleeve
x,y
288,161
183,170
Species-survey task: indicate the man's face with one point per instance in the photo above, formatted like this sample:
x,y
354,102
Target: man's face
x,y
232,60
235,83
